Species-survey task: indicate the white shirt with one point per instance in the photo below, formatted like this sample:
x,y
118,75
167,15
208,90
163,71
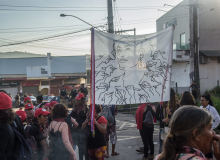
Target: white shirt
x,y
215,115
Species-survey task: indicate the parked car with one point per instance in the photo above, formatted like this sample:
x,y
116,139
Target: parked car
x,y
57,99
47,98
33,99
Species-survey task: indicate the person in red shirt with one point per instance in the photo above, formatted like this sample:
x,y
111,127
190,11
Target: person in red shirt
x,y
96,144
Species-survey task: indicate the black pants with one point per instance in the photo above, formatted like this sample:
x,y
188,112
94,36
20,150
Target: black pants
x,y
82,144
194,93
147,138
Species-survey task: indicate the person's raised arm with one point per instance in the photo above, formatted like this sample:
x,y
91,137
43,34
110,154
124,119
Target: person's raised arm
x,y
65,138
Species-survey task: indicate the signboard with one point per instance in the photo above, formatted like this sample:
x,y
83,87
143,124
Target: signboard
x,y
30,83
9,84
170,23
73,81
38,71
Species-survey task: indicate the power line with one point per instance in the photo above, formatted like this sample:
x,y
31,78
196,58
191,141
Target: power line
x,y
77,7
42,38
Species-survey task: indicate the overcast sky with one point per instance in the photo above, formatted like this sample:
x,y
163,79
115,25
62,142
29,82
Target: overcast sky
x,y
19,24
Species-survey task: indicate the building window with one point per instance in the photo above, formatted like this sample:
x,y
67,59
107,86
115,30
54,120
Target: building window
x,y
182,40
88,76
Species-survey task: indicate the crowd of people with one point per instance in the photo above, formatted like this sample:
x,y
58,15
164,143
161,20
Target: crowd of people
x,y
186,130
50,132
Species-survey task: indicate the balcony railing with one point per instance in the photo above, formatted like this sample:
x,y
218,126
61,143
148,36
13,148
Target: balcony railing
x,y
178,46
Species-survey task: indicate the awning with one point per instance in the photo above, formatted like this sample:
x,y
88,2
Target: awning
x,y
210,53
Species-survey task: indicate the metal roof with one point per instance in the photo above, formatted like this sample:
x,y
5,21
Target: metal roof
x,y
210,53
64,64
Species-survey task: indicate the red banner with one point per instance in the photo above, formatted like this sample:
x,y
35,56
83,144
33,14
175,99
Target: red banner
x,y
30,83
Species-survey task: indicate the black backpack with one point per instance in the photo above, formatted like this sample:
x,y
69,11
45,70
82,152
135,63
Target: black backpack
x,y
148,120
21,149
31,142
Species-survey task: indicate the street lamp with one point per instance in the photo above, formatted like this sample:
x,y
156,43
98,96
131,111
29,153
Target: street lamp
x,y
161,10
64,15
168,5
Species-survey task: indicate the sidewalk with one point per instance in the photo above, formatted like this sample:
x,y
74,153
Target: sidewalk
x,y
129,139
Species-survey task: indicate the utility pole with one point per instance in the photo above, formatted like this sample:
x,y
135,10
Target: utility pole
x,y
110,17
194,43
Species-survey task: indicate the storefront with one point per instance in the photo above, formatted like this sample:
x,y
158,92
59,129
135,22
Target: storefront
x,y
31,87
10,87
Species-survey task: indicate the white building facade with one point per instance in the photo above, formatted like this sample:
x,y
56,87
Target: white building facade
x,y
209,43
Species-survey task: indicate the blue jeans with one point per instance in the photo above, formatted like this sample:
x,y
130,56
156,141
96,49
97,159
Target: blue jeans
x,y
161,143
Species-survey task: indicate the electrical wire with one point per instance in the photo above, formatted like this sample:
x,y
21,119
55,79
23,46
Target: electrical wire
x,y
42,38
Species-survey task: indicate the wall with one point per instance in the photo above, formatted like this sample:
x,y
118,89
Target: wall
x,y
180,74
209,25
209,75
181,13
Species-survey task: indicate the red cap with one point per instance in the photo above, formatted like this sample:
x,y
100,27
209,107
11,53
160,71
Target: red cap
x,y
21,114
26,98
41,111
47,104
28,106
5,101
79,96
53,103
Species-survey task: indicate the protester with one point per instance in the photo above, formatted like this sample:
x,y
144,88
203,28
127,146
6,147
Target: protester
x,y
190,136
63,96
18,124
6,133
29,109
207,104
79,113
39,101
52,104
17,99
111,132
39,132
60,135
25,95
27,100
96,143
187,99
83,90
72,95
194,89
163,114
145,124
22,115
46,106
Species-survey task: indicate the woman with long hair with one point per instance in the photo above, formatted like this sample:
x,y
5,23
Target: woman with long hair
x,y
60,136
187,99
96,143
7,135
207,104
164,112
190,135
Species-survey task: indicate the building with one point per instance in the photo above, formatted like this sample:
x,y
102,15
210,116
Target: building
x,y
183,43
41,75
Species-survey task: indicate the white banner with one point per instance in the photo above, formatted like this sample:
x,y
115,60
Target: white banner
x,y
132,69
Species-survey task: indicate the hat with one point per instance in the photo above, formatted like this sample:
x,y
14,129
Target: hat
x,y
21,114
53,103
26,99
28,106
47,104
5,101
41,111
79,96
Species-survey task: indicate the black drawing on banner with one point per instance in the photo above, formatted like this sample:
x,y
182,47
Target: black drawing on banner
x,y
133,61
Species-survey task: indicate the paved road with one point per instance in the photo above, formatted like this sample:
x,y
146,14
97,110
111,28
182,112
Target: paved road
x,y
129,139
